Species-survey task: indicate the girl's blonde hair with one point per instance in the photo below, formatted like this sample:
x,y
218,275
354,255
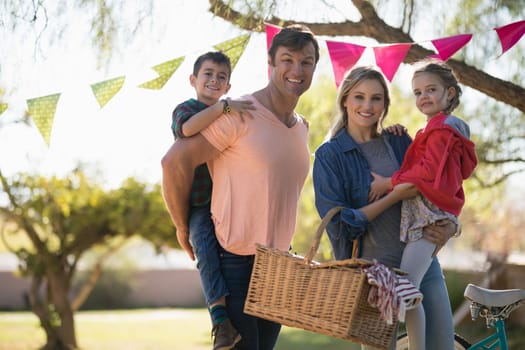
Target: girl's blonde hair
x,y
352,78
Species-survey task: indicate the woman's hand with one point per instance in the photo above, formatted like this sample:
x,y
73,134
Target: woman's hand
x,y
379,186
439,233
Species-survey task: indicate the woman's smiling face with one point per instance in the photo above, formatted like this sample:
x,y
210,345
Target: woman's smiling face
x,y
365,104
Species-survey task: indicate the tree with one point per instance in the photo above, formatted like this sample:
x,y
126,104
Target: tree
x,y
494,106
106,30
373,26
497,149
320,114
500,140
63,218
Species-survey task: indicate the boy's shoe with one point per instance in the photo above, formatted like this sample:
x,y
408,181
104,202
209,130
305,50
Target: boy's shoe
x,y
225,336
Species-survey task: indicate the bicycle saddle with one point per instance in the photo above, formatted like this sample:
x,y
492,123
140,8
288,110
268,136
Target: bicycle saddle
x,y
492,297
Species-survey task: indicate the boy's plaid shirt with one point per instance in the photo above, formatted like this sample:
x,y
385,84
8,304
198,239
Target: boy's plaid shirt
x,y
202,183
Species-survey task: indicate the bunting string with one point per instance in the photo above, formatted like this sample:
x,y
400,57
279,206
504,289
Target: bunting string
x,y
388,57
42,109
343,56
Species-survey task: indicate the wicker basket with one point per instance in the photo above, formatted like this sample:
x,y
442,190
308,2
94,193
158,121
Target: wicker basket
x,y
328,298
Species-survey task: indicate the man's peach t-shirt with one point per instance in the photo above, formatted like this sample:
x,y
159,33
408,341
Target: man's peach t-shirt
x,y
257,179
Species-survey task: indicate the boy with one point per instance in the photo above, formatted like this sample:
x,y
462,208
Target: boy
x,y
210,78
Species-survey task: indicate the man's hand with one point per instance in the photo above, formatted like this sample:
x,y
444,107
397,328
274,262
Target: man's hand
x,y
241,107
184,240
439,233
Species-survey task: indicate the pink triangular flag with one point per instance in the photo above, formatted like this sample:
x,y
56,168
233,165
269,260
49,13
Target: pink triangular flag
x,y
271,31
388,58
448,46
343,56
510,34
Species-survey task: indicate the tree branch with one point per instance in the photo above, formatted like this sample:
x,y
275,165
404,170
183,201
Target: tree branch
x,y
371,25
94,276
4,239
22,218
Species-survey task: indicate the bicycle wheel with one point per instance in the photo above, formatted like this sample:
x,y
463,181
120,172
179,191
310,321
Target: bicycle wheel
x,y
460,343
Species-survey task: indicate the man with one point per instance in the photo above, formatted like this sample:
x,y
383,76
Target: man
x,y
258,166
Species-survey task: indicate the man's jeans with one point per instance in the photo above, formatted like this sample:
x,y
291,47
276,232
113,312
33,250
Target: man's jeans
x,y
257,333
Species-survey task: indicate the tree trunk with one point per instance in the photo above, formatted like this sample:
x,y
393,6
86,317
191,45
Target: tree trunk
x,y
59,289
51,305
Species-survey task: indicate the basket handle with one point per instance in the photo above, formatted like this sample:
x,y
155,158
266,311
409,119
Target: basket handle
x,y
317,238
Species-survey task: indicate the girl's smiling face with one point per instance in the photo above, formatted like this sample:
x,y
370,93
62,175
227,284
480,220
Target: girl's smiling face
x,y
431,94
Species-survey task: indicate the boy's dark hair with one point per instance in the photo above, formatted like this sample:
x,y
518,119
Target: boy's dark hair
x,y
446,75
294,36
215,56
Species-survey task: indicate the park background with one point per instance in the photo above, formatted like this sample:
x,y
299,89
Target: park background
x,y
61,51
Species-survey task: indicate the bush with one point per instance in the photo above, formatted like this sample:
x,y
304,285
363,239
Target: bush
x,y
112,290
456,282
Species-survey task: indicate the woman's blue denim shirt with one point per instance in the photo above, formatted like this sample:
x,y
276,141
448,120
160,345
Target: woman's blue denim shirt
x,y
342,177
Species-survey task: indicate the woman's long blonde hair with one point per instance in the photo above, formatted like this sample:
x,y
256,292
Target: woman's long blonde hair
x,y
352,78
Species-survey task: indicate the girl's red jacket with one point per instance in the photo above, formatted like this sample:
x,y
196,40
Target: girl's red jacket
x,y
438,160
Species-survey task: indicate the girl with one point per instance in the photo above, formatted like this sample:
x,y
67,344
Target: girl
x,y
437,162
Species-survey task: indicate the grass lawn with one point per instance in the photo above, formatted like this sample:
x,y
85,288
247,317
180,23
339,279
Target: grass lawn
x,y
163,329
151,329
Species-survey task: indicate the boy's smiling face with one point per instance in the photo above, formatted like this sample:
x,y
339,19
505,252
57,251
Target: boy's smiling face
x,y
212,82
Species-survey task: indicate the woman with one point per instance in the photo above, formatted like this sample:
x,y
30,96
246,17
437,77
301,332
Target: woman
x,y
350,170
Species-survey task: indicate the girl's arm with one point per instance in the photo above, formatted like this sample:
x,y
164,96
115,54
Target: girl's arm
x,y
201,120
400,192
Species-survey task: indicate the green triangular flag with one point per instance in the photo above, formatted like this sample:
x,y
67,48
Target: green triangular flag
x,y
42,110
234,48
105,90
157,83
165,70
3,107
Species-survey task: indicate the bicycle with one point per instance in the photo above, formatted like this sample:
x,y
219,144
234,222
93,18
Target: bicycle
x,y
493,305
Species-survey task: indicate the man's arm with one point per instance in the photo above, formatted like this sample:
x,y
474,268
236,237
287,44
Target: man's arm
x,y
178,167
